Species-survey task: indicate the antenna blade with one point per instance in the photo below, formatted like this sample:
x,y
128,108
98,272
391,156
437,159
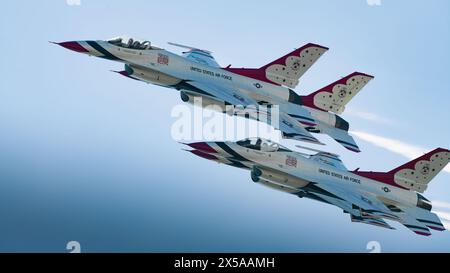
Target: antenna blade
x,y
316,150
189,47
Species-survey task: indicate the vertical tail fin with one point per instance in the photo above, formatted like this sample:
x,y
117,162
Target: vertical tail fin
x,y
335,96
287,69
414,175
417,173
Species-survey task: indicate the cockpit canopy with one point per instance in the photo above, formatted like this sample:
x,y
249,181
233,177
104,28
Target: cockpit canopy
x,y
132,43
263,145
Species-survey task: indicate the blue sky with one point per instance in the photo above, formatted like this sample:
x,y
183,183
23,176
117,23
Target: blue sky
x,y
87,155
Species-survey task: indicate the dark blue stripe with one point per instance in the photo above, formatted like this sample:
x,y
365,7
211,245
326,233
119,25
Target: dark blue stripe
x,y
237,164
106,54
311,188
374,210
230,151
293,134
302,117
301,135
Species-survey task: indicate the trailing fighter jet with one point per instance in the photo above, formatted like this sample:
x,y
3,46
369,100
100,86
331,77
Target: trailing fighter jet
x,y
369,197
196,73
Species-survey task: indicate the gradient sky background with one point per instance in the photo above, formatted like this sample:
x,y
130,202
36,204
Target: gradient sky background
x,y
87,155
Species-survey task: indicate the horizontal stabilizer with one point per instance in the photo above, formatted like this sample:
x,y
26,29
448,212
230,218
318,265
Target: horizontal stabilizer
x,y
426,217
417,227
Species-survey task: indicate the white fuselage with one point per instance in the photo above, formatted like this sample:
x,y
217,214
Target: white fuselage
x,y
181,68
186,69
319,170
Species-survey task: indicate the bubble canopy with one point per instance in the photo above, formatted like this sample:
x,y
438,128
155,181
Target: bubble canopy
x,y
260,144
130,42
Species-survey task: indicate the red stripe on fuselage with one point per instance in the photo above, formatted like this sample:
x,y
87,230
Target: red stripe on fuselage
x,y
75,46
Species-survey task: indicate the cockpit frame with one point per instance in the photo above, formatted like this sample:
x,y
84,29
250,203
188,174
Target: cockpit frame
x,y
263,145
131,43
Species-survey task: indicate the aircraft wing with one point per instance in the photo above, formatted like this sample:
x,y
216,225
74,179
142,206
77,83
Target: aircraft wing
x,y
341,136
415,226
291,129
366,204
233,97
287,125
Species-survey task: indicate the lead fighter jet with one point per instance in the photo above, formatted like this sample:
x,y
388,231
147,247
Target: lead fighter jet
x,y
369,197
196,73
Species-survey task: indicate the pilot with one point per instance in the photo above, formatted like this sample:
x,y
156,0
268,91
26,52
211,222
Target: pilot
x,y
136,45
130,43
258,144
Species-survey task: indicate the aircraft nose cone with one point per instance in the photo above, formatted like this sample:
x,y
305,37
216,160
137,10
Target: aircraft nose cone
x,y
74,46
202,146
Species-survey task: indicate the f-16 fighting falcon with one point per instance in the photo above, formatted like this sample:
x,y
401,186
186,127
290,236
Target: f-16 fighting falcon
x,y
367,196
197,74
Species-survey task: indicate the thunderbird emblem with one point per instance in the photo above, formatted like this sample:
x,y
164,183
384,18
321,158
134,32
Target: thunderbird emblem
x,y
425,169
342,93
295,66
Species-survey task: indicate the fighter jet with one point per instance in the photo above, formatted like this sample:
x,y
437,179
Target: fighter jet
x,y
368,197
196,73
